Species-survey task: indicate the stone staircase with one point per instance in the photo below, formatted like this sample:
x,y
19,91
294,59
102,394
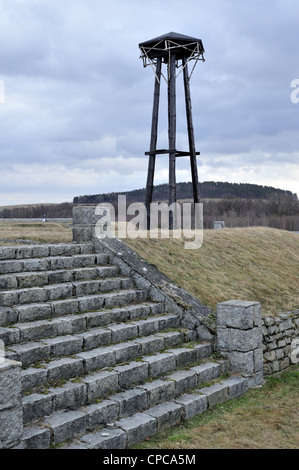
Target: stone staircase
x,y
103,365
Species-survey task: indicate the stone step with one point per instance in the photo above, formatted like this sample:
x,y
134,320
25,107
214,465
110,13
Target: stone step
x,y
128,413
38,377
43,278
40,251
62,291
72,306
90,324
111,376
9,266
52,345
129,431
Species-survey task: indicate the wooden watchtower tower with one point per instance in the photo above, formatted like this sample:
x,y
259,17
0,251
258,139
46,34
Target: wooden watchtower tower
x,y
175,50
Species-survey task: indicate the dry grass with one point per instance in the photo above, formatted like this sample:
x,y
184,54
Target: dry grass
x,y
256,264
49,232
263,418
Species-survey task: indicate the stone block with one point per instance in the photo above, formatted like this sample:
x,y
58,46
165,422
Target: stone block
x,y
8,316
138,427
122,332
64,307
97,358
10,383
69,395
107,438
9,335
11,426
159,391
147,327
36,406
32,377
29,313
184,380
126,351
238,314
160,363
193,404
31,352
70,325
66,425
216,394
167,414
230,339
207,372
99,384
66,368
241,362
236,386
172,338
130,402
134,373
150,344
36,438
64,345
203,350
34,331
96,338
99,414
184,356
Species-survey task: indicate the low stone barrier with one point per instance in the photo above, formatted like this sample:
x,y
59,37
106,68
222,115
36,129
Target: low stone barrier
x,y
280,341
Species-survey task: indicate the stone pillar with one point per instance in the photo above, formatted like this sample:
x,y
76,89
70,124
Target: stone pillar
x,y
11,412
239,338
84,222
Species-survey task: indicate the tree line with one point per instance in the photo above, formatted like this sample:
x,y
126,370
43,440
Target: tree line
x,y
208,189
237,204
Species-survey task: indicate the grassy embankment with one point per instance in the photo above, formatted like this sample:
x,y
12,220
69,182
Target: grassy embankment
x,y
258,264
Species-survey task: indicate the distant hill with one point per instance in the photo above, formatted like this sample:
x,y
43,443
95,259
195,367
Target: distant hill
x,y
208,190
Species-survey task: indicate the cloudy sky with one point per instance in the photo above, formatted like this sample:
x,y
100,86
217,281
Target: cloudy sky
x,y
76,103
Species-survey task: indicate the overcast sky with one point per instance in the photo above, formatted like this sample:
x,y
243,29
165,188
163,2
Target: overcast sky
x,y
76,112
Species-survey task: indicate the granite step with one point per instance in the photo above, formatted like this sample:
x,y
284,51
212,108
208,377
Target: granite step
x,y
70,306
52,345
15,297
168,399
112,375
43,278
90,324
40,250
52,263
129,431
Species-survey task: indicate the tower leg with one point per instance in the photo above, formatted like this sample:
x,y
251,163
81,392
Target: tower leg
x,y
172,135
153,143
192,150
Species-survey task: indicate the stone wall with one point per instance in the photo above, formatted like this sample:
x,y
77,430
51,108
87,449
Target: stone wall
x,y
279,335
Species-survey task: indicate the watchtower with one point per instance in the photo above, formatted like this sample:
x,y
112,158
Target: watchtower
x,y
176,51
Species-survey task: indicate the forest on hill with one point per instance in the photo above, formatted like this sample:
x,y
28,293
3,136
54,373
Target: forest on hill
x,y
208,189
237,204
